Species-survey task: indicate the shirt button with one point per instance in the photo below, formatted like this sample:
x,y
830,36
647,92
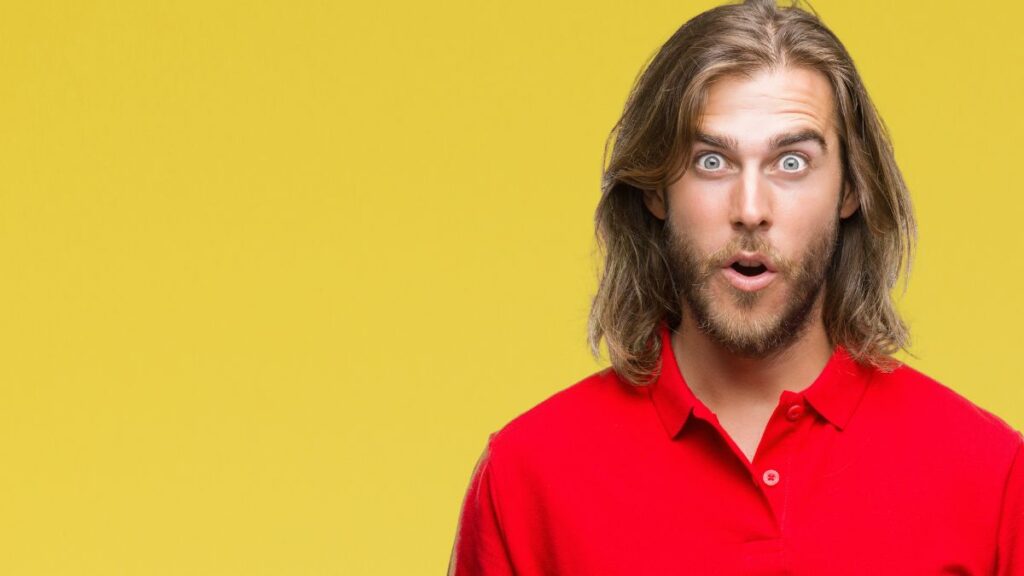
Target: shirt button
x,y
770,477
794,412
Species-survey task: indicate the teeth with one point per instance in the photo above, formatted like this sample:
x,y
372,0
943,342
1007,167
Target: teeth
x,y
748,263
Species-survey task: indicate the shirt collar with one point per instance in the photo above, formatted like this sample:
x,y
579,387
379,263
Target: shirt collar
x,y
834,394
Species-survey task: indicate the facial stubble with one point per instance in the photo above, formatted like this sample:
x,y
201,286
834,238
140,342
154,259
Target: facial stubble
x,y
739,330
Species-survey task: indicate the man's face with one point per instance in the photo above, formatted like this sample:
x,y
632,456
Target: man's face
x,y
753,221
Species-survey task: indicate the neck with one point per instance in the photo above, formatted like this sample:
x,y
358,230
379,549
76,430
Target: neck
x,y
724,380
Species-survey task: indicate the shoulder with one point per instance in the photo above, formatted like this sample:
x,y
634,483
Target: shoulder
x,y
598,405
930,407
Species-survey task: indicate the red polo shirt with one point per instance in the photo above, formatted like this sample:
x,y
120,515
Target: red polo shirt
x,y
862,472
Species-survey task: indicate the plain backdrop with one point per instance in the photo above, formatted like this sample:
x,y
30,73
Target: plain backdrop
x,y
273,271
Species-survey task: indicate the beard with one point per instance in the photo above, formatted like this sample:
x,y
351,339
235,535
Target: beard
x,y
737,327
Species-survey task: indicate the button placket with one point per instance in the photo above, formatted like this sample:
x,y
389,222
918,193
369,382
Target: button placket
x,y
771,476
786,431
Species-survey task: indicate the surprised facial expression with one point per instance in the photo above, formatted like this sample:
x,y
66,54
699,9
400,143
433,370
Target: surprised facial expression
x,y
752,223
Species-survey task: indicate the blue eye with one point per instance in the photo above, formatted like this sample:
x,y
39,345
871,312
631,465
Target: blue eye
x,y
710,162
793,163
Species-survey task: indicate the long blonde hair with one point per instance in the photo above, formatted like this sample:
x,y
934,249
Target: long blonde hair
x,y
655,135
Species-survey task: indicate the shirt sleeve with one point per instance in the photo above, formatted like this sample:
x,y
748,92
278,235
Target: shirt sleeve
x,y
480,548
1010,550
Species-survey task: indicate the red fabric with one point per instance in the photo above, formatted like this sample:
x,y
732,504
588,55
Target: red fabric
x,y
863,472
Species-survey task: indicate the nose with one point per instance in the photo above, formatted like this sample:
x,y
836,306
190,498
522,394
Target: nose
x,y
752,203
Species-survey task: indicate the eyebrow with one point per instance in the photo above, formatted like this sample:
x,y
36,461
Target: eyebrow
x,y
776,142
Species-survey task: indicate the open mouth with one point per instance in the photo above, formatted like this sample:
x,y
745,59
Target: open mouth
x,y
749,277
749,271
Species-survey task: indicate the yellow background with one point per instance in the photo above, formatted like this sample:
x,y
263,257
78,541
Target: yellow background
x,y
274,270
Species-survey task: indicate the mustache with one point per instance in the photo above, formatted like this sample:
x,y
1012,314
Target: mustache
x,y
746,243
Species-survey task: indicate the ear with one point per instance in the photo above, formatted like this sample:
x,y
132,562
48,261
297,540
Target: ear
x,y
655,202
850,201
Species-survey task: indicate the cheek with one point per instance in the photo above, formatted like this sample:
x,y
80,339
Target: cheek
x,y
703,214
801,222
699,230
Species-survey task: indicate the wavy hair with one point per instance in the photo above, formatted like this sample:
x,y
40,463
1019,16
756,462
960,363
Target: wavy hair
x,y
655,135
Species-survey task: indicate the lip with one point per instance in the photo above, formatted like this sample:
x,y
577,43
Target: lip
x,y
748,257
749,283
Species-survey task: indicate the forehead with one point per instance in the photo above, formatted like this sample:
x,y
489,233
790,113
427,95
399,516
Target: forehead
x,y
752,109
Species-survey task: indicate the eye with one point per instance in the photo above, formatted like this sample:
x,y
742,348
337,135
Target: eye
x,y
793,163
710,162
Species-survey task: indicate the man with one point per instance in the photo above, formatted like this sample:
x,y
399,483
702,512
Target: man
x,y
754,222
